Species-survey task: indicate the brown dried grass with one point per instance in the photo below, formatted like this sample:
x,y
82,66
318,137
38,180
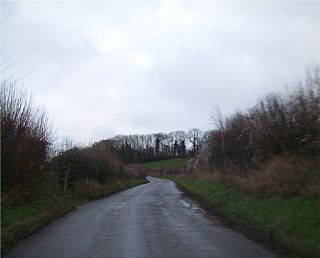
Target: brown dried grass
x,y
91,189
281,175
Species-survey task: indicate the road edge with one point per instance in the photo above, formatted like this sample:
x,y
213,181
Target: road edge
x,y
248,232
36,224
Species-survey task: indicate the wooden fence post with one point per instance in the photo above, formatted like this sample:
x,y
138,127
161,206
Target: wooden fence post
x,y
66,176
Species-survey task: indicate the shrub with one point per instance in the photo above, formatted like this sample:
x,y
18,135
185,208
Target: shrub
x,y
26,136
278,124
89,163
89,189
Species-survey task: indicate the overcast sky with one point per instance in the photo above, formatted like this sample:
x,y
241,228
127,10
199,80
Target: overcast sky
x,y
124,67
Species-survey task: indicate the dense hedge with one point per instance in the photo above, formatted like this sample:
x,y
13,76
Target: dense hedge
x,y
25,139
87,163
278,124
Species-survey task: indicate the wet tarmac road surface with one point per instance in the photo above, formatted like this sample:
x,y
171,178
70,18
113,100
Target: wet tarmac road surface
x,y
148,221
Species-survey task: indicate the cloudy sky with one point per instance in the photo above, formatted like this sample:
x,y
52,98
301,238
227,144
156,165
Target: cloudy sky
x,y
101,68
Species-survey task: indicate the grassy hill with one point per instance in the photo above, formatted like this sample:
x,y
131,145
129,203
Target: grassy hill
x,y
167,163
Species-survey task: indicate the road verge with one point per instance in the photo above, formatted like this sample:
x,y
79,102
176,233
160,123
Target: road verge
x,y
24,219
289,224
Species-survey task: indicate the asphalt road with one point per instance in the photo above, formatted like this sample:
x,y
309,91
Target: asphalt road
x,y
148,221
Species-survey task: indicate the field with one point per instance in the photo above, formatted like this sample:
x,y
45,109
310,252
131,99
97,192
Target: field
x,y
167,163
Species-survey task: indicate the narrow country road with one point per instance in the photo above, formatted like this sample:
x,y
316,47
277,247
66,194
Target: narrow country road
x,y
147,221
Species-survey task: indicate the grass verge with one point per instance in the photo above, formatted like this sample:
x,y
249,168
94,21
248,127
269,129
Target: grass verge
x,y
23,219
167,163
287,223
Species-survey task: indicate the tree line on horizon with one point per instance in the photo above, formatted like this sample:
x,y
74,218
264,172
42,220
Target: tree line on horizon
x,y
157,146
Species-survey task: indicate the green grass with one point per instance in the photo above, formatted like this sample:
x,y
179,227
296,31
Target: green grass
x,y
20,220
167,163
290,223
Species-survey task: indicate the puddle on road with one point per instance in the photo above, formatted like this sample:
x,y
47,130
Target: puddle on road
x,y
192,205
187,203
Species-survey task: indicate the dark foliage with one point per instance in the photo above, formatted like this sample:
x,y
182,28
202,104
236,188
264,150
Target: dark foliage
x,y
278,124
159,146
90,163
25,139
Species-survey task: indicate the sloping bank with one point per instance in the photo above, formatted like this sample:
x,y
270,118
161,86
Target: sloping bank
x,y
286,223
20,220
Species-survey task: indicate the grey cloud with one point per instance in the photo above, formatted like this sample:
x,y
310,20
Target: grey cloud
x,y
106,68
